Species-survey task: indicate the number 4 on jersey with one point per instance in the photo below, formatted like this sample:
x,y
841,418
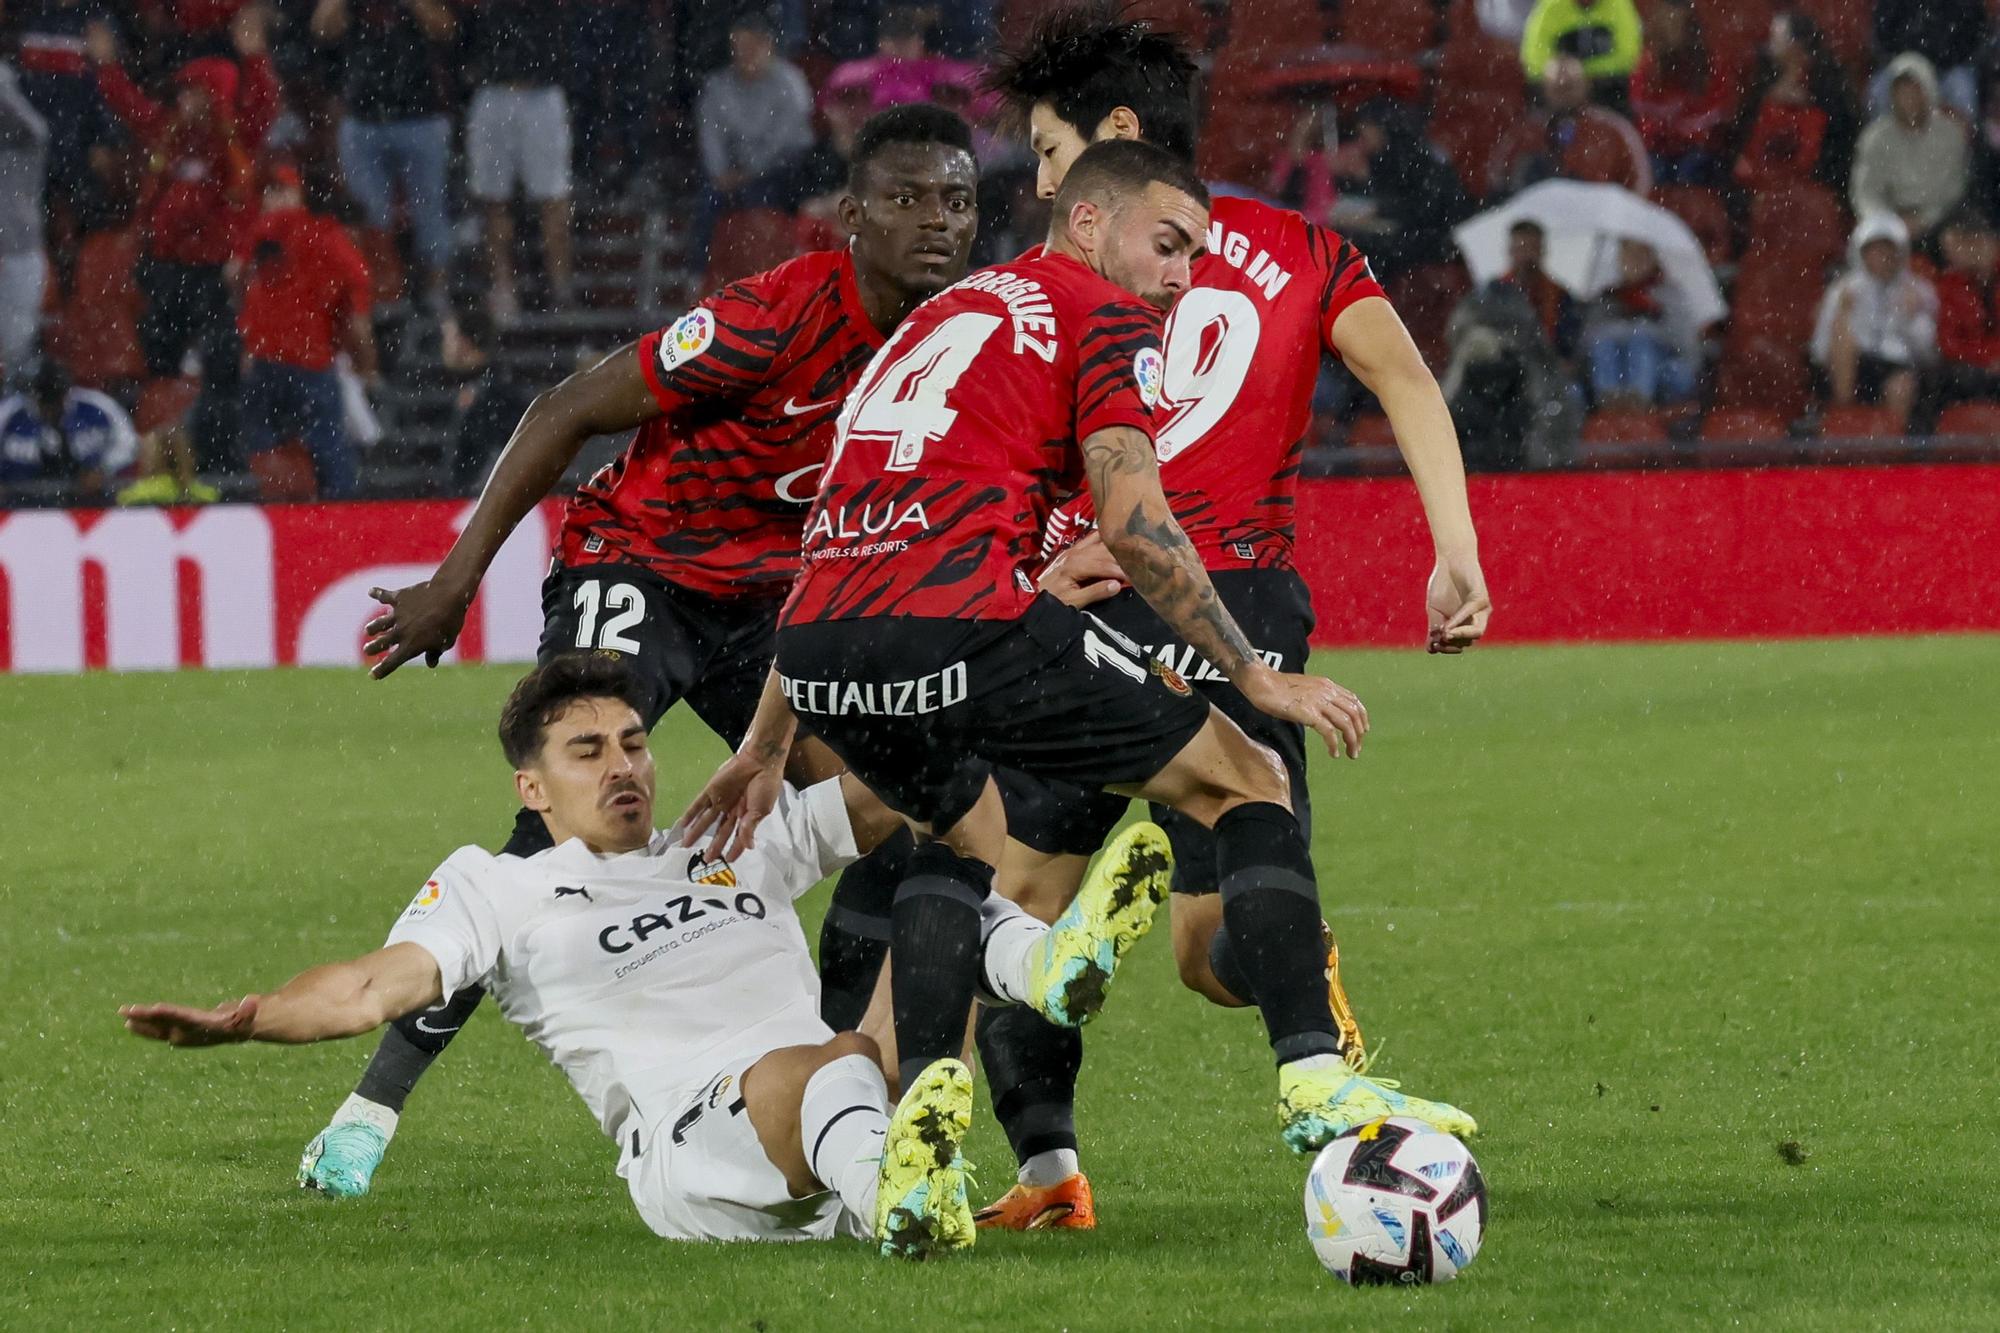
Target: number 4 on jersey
x,y
904,403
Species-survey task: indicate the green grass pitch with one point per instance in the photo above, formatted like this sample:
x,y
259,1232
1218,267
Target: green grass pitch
x,y
1651,913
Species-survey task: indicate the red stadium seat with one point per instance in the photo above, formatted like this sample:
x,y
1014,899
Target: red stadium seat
x,y
1425,297
1263,30
1702,209
1186,17
1392,27
1741,424
1467,125
1776,298
1760,371
96,335
163,402
1860,422
1971,419
1803,219
1849,26
1733,31
1625,426
1245,129
748,241
285,474
1472,61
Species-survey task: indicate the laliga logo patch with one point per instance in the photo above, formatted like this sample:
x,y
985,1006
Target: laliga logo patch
x,y
687,339
703,871
1150,369
425,902
1169,677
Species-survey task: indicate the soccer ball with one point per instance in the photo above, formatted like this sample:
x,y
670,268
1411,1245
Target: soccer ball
x,y
1395,1201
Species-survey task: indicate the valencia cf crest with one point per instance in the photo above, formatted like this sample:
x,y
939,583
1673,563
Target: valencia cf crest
x,y
1169,677
703,871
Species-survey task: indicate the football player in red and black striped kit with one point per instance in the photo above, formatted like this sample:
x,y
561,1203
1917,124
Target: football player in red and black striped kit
x,y
1243,350
917,645
679,554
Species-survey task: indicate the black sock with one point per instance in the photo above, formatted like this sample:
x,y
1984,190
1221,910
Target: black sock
x,y
934,954
1031,1067
855,933
531,835
1223,963
410,1045
1270,907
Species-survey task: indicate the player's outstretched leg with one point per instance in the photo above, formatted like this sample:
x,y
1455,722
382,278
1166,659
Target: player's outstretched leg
x,y
1031,1067
1063,971
921,1207
1275,946
1114,909
341,1159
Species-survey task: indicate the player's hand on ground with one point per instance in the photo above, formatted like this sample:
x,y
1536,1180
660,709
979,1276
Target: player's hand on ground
x,y
423,620
1314,701
1084,574
180,1025
1457,606
732,805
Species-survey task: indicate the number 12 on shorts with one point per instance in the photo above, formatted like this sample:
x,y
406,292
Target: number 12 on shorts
x,y
627,601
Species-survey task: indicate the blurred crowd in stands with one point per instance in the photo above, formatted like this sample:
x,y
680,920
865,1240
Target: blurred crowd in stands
x,y
330,247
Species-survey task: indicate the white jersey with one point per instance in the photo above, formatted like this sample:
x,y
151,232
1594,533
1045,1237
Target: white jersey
x,y
642,974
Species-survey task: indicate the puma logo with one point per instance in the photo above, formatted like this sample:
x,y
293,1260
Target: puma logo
x,y
565,891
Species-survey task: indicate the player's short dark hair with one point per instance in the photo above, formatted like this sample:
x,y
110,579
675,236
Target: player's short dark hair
x,y
1118,168
1527,224
1087,60
545,693
918,123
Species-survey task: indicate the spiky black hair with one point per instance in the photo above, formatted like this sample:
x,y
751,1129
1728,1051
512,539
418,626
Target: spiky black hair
x,y
1087,60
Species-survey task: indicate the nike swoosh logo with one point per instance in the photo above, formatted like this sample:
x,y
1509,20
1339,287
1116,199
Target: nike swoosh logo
x,y
437,1032
794,408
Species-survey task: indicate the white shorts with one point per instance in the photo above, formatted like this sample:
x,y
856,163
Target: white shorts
x,y
517,136
704,1176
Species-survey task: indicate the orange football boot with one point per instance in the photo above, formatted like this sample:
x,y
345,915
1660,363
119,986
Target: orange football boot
x,y
1065,1206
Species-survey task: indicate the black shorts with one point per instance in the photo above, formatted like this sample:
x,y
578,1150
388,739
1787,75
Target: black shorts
x,y
1275,610
923,709
714,652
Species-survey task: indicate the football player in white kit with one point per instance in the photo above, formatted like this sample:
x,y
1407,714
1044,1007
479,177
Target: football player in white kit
x,y
678,996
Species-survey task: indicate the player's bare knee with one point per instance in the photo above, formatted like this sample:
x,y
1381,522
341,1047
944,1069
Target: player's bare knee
x,y
853,1043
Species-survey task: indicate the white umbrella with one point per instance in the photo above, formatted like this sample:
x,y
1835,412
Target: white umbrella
x,y
1583,224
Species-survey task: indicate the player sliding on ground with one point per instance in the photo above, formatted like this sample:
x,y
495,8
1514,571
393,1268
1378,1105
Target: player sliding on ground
x,y
676,992
916,646
1243,349
680,553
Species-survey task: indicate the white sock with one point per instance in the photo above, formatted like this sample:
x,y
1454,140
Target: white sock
x,y
1308,1064
357,1107
1008,937
1048,1168
843,1118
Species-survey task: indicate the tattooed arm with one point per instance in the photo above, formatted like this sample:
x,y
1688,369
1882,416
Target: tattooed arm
x,y
1156,555
1139,528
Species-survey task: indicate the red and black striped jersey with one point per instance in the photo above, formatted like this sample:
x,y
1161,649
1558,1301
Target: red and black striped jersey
x,y
712,494
1243,352
963,435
